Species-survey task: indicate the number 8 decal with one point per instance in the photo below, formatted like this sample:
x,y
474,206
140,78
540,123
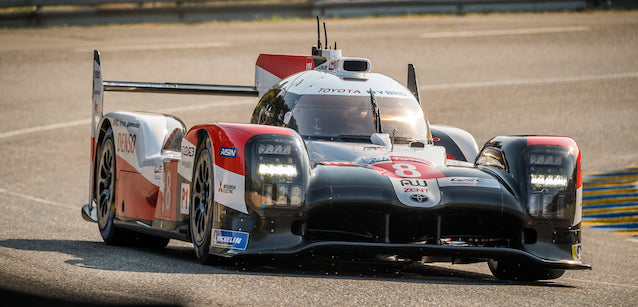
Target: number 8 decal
x,y
406,170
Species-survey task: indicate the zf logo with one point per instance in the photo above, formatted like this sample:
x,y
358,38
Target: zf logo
x,y
414,182
126,142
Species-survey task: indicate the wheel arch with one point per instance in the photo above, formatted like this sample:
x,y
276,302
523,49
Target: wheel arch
x,y
104,126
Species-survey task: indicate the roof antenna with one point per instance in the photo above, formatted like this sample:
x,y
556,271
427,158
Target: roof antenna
x,y
325,34
318,34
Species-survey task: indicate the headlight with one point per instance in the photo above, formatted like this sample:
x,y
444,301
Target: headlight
x,y
277,170
278,167
548,183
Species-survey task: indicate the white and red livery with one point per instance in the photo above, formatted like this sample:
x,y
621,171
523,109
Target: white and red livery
x,y
336,159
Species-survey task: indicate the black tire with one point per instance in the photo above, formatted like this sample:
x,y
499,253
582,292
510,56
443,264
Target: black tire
x,y
511,270
105,192
202,204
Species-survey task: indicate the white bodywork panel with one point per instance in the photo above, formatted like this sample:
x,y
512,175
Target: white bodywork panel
x,y
139,139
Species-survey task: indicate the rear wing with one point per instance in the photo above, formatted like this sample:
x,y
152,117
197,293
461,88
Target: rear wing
x,y
269,69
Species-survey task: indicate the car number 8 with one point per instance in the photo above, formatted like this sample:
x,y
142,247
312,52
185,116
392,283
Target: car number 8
x,y
406,170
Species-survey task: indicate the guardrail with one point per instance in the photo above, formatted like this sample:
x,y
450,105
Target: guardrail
x,y
90,12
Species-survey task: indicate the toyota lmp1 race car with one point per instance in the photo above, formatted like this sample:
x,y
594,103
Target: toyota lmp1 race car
x,y
337,160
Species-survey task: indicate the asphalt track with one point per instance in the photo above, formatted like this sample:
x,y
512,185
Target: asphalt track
x,y
565,74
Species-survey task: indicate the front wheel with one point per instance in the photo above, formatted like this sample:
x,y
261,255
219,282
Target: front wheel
x,y
202,203
512,270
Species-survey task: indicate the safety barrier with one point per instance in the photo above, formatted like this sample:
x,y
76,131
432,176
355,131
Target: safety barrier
x,y
79,12
610,201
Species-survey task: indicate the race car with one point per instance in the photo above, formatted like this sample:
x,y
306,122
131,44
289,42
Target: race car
x,y
336,160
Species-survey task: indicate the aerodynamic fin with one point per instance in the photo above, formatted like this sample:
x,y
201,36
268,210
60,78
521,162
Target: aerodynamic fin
x,y
412,84
270,68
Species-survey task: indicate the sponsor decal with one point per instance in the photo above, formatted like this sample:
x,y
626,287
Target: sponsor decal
x,y
185,166
388,93
577,252
416,190
122,123
414,182
338,91
230,239
353,91
468,182
226,188
185,196
157,172
420,193
229,180
333,65
126,142
188,151
228,152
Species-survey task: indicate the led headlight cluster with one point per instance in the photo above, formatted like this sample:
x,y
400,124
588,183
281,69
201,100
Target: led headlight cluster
x,y
277,173
547,183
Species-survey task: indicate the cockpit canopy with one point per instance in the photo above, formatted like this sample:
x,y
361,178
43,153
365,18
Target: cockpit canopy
x,y
351,117
318,111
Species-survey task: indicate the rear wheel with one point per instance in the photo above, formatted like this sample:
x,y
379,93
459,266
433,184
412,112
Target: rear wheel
x,y
512,270
105,197
202,203
105,192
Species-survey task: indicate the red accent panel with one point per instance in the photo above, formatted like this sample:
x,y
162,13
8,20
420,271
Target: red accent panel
x,y
338,163
139,194
285,65
564,141
235,136
93,146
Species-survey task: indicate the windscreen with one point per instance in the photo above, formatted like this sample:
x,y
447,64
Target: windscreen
x,y
324,116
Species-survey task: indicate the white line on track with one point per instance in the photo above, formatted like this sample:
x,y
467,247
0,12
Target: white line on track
x,y
601,282
88,121
448,86
503,32
38,200
44,128
160,47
